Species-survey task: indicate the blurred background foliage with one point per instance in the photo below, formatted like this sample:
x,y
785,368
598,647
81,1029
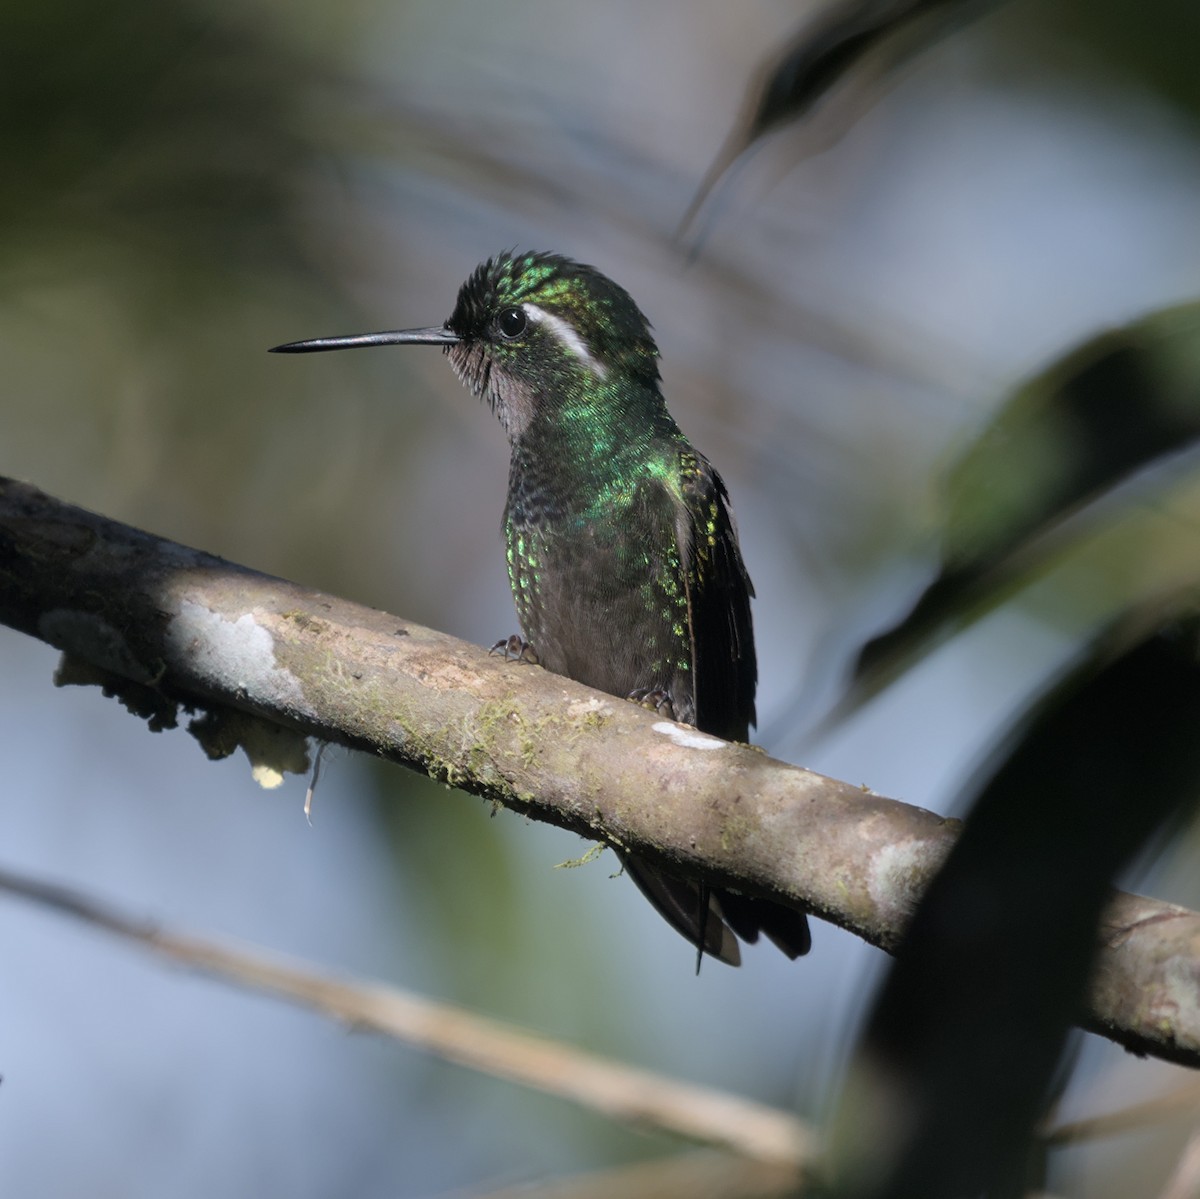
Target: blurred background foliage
x,y
187,184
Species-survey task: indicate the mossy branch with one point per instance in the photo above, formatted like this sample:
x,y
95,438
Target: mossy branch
x,y
167,625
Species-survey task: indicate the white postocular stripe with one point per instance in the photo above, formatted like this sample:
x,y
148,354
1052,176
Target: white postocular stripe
x,y
568,335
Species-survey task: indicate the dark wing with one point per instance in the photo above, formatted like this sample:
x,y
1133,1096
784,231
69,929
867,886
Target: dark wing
x,y
718,595
726,675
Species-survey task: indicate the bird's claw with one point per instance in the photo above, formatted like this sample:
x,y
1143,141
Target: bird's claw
x,y
515,649
657,699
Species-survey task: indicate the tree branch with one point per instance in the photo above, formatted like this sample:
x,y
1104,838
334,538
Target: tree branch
x,y
701,1174
635,1097
1184,1182
184,627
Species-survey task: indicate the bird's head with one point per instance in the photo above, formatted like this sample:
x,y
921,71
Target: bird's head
x,y
535,334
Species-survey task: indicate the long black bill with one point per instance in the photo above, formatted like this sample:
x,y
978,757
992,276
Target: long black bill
x,y
397,337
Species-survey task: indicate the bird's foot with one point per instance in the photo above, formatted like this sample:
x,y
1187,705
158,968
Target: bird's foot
x,y
515,649
657,699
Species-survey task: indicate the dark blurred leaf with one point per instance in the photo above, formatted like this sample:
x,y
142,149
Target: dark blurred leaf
x,y
1112,407
791,83
824,53
972,1019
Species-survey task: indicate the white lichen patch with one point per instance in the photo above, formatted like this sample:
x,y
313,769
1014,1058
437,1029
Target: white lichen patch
x,y
238,654
586,707
86,636
272,749
688,738
892,880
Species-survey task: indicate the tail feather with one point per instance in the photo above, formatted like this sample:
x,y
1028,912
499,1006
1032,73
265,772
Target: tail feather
x,y
712,920
786,928
677,901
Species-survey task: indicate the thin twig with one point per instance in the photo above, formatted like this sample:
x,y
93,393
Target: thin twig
x,y
631,1096
1126,1119
703,1175
1184,1183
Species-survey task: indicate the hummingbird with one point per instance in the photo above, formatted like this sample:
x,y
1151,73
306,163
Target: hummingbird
x,y
622,551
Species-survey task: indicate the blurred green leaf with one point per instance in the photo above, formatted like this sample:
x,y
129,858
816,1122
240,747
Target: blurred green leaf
x,y
1116,405
166,133
1152,44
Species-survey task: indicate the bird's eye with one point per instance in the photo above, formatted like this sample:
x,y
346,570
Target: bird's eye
x,y
512,322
